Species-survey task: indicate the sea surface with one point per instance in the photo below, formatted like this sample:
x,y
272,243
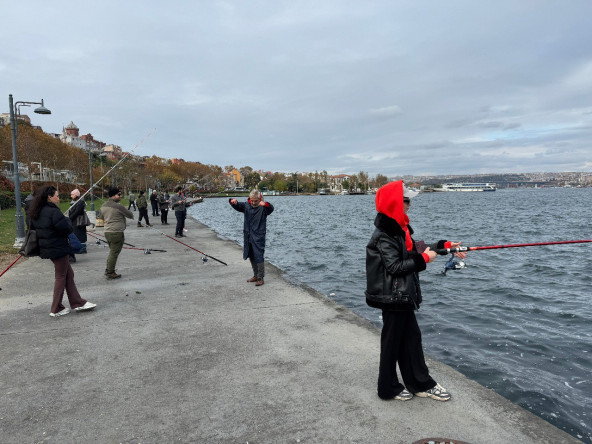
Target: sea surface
x,y
516,320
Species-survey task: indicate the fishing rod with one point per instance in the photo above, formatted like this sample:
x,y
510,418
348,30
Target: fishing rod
x,y
145,250
115,166
92,186
95,234
182,243
445,251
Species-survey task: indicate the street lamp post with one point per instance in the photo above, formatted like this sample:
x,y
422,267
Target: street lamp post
x,y
20,226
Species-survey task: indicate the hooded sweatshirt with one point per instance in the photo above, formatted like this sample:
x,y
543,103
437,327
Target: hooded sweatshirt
x,y
389,201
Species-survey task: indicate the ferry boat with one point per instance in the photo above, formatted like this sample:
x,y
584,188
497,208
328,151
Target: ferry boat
x,y
267,192
467,187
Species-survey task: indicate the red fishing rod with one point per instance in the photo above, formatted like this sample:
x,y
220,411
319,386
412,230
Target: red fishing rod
x,y
182,243
444,251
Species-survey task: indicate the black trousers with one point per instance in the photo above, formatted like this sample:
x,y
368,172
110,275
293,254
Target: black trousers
x,y
400,342
154,208
180,215
163,216
143,214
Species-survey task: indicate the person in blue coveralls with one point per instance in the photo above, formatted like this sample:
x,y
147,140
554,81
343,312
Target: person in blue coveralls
x,y
254,230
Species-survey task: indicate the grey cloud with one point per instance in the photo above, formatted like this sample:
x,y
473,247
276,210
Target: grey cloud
x,y
380,85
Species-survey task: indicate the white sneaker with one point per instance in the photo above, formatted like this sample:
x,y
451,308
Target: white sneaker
x,y
86,307
438,393
65,311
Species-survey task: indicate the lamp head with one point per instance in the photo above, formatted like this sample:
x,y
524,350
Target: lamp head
x,y
42,109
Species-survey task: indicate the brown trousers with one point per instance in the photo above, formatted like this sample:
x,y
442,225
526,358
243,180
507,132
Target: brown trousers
x,y
64,280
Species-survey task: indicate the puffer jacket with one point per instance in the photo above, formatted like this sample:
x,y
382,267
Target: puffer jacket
x,y
392,259
52,229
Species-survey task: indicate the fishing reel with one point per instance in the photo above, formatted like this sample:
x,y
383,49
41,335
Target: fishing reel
x,y
147,251
453,264
204,259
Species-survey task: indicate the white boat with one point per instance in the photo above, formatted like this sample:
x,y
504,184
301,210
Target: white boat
x,y
267,192
467,187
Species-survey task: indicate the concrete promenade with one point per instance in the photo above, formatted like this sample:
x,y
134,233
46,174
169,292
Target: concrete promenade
x,y
182,351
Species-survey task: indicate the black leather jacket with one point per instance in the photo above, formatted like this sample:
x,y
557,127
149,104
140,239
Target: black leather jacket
x,y
389,264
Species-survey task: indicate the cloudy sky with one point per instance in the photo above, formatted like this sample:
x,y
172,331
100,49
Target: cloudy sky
x,y
392,87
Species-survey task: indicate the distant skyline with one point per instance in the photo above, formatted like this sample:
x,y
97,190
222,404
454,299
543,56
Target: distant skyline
x,y
396,88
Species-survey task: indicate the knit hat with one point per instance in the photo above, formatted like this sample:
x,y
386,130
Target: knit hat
x,y
113,191
75,192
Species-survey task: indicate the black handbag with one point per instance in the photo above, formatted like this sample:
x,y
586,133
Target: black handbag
x,y
30,247
82,220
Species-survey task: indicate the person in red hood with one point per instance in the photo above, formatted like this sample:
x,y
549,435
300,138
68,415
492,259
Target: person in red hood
x,y
393,261
254,231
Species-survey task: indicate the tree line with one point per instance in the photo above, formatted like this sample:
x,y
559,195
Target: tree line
x,y
36,148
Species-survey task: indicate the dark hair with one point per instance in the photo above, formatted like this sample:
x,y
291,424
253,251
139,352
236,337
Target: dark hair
x,y
179,188
40,201
113,191
142,193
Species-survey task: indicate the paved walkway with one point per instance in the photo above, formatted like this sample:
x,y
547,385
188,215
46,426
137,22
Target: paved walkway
x,y
182,351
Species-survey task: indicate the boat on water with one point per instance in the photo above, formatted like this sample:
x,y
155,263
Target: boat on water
x,y
324,192
467,187
267,192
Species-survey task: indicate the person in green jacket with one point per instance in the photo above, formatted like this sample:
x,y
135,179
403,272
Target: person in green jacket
x,y
143,209
114,215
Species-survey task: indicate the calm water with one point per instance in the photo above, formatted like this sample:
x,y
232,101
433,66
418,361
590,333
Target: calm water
x,y
516,320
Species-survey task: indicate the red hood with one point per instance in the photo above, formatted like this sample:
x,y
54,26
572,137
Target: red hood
x,y
389,201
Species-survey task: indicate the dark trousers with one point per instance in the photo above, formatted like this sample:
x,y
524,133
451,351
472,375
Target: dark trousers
x,y
64,280
154,208
163,216
258,267
143,214
180,215
132,204
115,241
400,342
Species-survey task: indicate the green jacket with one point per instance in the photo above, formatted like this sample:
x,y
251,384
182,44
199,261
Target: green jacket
x,y
114,215
141,202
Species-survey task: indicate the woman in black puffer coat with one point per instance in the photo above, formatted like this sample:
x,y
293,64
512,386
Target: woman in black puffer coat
x,y
52,229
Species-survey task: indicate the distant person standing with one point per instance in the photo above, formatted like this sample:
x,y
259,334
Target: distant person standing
x,y
52,229
143,209
114,215
163,204
154,203
132,201
254,230
178,204
77,209
28,201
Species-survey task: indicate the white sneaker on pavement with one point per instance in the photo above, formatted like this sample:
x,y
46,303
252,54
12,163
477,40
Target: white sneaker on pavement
x,y
65,311
86,307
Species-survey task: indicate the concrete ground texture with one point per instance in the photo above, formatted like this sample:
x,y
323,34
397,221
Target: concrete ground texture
x,y
179,350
